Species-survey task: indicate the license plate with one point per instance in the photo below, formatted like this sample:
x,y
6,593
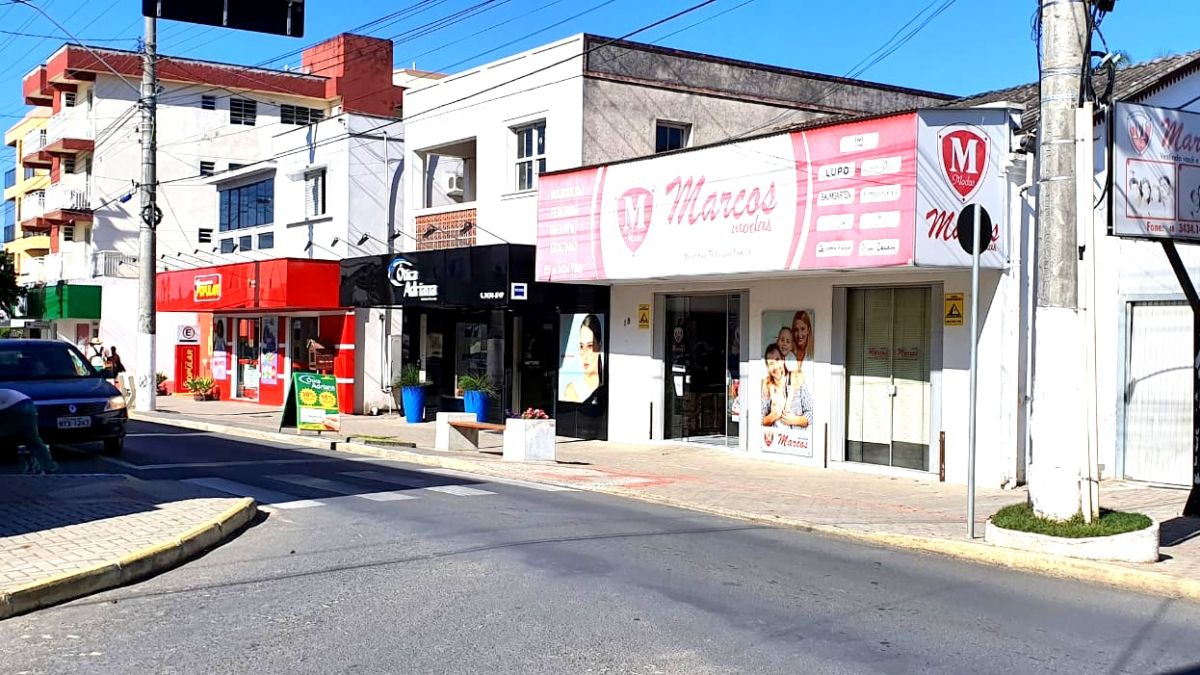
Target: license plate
x,y
74,422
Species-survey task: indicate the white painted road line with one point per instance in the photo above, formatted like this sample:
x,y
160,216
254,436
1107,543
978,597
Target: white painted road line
x,y
395,479
459,490
341,488
218,465
263,496
503,481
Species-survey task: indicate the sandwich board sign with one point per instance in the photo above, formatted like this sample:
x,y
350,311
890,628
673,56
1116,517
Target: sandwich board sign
x,y
312,404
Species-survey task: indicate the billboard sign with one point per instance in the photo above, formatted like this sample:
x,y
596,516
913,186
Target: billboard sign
x,y
874,193
1155,173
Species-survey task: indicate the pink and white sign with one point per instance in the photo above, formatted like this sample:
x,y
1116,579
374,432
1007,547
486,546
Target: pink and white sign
x,y
1155,173
837,197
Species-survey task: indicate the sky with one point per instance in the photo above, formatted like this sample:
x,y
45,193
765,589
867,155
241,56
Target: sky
x,y
956,46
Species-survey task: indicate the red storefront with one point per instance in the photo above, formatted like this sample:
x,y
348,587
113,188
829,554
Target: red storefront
x,y
250,325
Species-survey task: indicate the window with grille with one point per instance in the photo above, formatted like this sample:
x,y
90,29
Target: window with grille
x,y
671,136
295,114
208,102
68,99
314,193
242,111
68,233
208,168
247,205
68,165
204,235
531,154
266,240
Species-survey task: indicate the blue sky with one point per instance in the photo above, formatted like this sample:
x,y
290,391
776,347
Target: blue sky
x,y
971,46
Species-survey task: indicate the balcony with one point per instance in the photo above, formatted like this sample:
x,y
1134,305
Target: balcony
x,y
70,132
115,264
68,200
33,147
33,271
32,244
33,207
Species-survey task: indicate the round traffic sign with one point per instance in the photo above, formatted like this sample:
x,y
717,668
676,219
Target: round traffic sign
x,y
970,232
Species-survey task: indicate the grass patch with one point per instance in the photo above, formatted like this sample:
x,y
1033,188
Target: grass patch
x,y
1021,517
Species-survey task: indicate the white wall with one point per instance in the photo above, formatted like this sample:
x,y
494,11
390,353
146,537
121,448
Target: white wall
x,y
435,116
374,360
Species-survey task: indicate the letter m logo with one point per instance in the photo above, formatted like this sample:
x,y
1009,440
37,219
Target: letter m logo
x,y
963,152
634,210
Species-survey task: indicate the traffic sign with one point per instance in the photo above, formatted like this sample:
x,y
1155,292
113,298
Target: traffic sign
x,y
277,17
967,228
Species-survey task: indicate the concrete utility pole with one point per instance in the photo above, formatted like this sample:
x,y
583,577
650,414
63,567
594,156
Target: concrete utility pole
x,y
146,382
1059,429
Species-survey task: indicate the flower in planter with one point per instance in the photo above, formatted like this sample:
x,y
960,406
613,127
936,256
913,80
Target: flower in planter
x,y
534,414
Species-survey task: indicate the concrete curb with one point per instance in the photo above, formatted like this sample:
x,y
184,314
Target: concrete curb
x,y
1135,579
130,568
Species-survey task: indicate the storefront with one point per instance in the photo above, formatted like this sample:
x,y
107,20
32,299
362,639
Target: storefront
x,y
802,296
250,325
478,311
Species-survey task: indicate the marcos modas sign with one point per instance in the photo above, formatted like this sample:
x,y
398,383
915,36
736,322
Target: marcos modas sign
x,y
875,193
1155,173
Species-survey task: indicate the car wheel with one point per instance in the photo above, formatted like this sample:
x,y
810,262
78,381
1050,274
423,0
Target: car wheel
x,y
114,446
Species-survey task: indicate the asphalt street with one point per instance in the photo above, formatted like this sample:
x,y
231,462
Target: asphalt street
x,y
369,566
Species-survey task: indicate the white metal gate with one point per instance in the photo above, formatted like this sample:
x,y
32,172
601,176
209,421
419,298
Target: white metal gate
x,y
1158,394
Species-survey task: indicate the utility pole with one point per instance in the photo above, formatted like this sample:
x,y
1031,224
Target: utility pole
x,y
146,384
1059,429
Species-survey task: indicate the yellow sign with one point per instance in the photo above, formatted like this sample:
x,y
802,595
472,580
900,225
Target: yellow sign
x,y
643,317
953,314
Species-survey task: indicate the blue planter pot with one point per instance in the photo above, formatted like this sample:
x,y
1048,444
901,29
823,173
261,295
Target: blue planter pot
x,y
414,404
475,402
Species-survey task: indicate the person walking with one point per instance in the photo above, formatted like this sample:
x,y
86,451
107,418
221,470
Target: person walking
x,y
19,425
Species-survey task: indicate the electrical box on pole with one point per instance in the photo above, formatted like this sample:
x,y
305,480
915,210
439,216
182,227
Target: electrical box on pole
x,y
277,17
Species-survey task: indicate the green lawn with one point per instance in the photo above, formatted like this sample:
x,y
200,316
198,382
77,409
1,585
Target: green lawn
x,y
1020,517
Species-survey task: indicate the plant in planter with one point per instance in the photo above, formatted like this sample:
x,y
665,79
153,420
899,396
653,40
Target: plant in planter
x,y
476,391
529,436
160,380
412,391
202,388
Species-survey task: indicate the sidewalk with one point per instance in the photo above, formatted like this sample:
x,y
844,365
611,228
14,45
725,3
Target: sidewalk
x,y
66,536
886,510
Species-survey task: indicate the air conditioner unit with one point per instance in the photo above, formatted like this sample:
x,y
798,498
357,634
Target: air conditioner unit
x,y
454,186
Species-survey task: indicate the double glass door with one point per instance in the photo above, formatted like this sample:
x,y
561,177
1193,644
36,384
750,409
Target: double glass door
x,y
887,363
702,378
246,333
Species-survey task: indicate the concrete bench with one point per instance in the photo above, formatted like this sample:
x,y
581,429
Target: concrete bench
x,y
460,431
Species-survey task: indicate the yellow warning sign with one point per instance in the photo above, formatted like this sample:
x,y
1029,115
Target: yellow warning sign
x,y
643,317
953,315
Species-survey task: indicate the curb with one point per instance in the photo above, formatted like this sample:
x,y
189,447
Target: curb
x,y
130,568
1141,580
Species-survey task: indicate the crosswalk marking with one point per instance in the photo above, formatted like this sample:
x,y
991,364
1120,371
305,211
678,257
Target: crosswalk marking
x,y
278,500
503,481
459,490
340,488
409,481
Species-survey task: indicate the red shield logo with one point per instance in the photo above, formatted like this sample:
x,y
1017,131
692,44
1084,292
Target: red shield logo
x,y
1139,131
964,154
634,210
768,438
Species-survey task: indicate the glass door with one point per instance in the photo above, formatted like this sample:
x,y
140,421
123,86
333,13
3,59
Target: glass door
x,y
703,355
888,393
247,334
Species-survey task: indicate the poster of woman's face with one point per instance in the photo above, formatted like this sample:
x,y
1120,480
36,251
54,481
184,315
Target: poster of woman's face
x,y
785,394
581,354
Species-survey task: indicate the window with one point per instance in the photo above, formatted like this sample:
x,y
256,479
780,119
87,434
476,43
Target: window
x,y
208,102
671,136
242,111
204,235
68,233
68,165
314,193
266,240
226,246
208,168
294,114
10,213
10,178
247,205
246,243
29,172
531,154
68,99
234,166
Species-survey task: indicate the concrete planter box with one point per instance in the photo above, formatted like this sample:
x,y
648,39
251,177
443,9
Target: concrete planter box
x,y
1140,546
529,440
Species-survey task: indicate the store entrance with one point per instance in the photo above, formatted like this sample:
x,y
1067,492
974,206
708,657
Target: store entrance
x,y
246,380
703,356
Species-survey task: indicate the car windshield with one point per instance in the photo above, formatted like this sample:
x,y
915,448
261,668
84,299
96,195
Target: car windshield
x,y
42,361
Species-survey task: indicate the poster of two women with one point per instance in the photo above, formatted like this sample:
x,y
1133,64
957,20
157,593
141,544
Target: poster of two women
x,y
785,395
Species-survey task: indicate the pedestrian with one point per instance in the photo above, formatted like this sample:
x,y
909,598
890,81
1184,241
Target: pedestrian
x,y
19,425
114,360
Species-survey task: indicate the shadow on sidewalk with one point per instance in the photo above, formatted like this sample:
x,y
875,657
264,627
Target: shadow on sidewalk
x,y
1177,531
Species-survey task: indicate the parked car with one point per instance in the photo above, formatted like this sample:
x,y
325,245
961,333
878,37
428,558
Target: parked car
x,y
76,403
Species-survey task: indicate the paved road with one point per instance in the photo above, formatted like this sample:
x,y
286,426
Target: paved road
x,y
380,567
